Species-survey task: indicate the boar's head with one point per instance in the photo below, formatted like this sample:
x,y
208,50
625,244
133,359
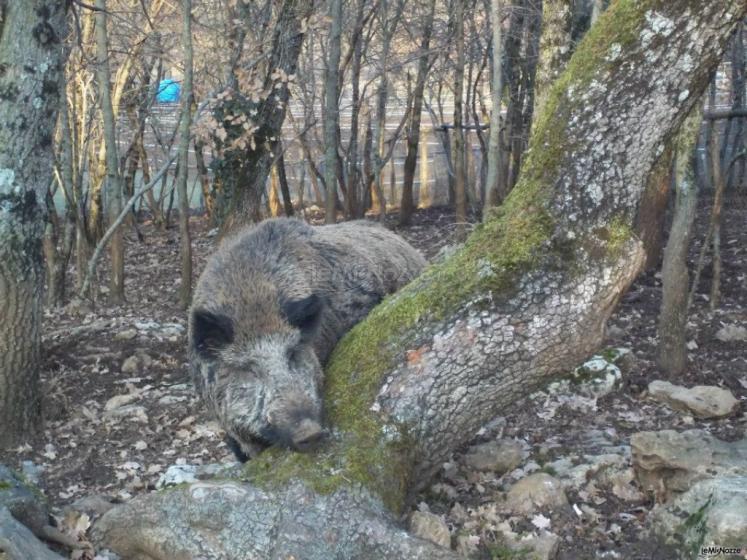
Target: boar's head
x,y
259,371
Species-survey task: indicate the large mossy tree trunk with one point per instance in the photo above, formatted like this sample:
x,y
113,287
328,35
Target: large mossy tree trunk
x,y
527,297
31,35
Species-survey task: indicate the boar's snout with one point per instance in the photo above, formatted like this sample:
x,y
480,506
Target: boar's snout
x,y
307,435
294,421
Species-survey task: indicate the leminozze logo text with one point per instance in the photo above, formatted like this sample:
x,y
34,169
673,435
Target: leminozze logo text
x,y
720,550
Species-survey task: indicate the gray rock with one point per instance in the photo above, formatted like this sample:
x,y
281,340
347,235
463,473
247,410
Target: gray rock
x,y
576,476
17,542
172,399
732,333
185,474
622,484
32,471
127,334
495,456
597,377
536,492
136,363
711,513
668,463
132,411
704,401
94,506
22,501
615,332
430,527
177,474
581,389
529,545
700,484
542,547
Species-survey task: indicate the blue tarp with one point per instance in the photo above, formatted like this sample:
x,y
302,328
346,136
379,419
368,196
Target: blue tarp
x,y
168,91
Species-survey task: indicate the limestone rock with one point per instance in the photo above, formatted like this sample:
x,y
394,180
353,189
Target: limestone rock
x,y
430,527
668,463
185,474
94,505
543,546
598,376
704,401
712,513
615,332
538,491
119,401
17,542
133,412
622,485
495,456
126,334
700,483
22,501
732,333
137,362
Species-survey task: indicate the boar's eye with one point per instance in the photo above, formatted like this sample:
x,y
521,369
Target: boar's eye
x,y
304,314
210,332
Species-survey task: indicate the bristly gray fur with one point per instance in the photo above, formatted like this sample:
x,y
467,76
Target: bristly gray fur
x,y
269,308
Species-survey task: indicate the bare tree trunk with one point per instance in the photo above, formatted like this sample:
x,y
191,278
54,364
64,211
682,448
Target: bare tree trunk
x,y
528,67
332,110
460,175
185,244
202,170
113,177
718,197
283,179
54,260
525,299
672,350
649,224
517,30
377,194
31,55
407,205
273,200
353,206
555,46
494,190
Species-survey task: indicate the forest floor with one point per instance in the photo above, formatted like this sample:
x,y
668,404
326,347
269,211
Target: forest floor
x,y
119,407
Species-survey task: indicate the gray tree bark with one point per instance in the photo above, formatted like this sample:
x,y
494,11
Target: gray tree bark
x,y
113,177
458,157
407,204
332,110
242,175
31,58
525,299
494,191
185,243
672,330
555,46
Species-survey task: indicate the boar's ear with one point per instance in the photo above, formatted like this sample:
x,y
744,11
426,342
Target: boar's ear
x,y
304,314
210,332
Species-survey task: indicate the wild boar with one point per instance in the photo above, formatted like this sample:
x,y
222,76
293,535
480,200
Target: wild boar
x,y
269,308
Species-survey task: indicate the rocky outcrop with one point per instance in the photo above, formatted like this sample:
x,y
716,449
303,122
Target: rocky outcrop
x,y
700,484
